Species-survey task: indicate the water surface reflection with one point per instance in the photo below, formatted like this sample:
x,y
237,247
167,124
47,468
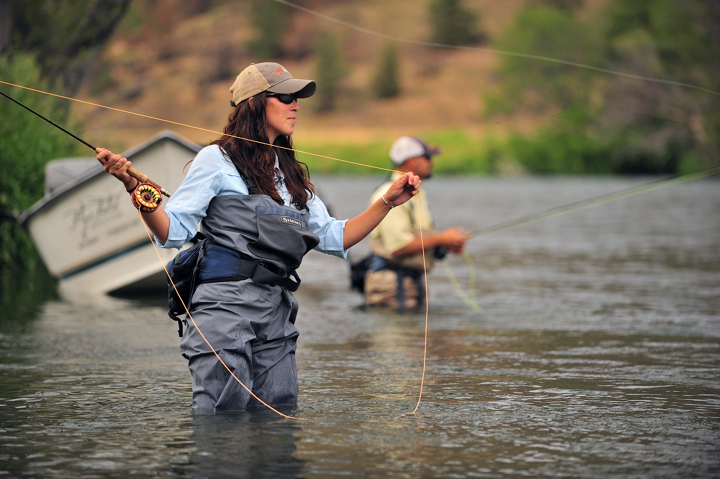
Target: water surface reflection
x,y
596,354
253,445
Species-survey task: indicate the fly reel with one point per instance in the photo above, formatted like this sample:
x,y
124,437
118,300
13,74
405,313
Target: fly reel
x,y
147,196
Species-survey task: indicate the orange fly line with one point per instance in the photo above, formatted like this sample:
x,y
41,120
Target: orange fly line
x,y
427,302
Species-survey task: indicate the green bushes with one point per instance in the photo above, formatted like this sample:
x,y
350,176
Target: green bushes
x,y
270,20
599,122
549,151
463,153
27,143
557,152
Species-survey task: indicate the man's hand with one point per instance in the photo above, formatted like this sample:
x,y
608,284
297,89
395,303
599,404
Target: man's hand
x,y
454,239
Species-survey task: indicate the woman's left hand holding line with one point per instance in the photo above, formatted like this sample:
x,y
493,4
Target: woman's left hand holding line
x,y
404,188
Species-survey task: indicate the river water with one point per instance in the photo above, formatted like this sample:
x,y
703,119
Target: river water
x,y
596,353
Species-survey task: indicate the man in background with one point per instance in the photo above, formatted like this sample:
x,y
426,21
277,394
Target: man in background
x,y
395,276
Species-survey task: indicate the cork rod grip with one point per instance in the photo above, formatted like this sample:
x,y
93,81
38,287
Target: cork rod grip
x,y
136,174
141,177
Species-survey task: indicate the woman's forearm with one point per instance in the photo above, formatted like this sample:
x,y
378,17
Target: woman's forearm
x,y
360,226
402,190
158,223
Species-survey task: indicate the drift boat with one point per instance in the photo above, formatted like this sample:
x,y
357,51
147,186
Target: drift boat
x,y
89,236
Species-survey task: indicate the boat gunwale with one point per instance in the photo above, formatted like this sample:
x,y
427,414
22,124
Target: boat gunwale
x,y
91,173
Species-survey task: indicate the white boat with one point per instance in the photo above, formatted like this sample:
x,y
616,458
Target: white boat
x,y
88,233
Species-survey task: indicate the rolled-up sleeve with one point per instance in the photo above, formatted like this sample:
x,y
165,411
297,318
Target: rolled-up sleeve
x,y
329,230
212,174
188,205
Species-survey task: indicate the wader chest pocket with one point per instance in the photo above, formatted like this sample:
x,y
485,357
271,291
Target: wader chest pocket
x,y
283,236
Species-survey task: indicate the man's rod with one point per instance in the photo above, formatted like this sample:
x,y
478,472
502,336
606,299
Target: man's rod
x,y
131,171
581,205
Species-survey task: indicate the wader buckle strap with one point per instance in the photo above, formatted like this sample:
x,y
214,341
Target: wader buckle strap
x,y
225,264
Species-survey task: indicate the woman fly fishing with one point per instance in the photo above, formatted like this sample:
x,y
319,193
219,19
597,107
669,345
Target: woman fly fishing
x,y
253,201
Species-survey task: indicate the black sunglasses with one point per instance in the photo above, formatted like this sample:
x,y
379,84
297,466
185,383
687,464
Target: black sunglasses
x,y
286,98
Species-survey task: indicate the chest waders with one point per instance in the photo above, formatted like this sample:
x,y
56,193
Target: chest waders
x,y
243,303
378,263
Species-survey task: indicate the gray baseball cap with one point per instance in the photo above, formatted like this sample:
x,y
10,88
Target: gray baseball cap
x,y
268,76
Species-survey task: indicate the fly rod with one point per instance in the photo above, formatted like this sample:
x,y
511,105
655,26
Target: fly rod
x,y
141,177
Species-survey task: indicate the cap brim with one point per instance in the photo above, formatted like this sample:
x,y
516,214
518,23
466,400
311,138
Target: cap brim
x,y
433,151
301,88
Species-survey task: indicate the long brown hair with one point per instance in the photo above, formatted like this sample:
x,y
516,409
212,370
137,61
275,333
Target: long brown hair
x,y
247,121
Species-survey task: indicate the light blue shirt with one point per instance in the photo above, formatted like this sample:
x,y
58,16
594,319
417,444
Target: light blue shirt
x,y
213,174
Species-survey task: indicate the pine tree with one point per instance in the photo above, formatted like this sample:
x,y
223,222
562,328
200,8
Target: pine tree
x,y
330,71
386,84
453,23
270,19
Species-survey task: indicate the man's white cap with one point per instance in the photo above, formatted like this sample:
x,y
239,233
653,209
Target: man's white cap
x,y
407,147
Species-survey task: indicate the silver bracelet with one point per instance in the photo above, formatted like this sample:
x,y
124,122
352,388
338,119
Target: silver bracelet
x,y
390,205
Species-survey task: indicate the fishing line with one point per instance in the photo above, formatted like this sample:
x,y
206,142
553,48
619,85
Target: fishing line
x,y
427,308
492,50
167,194
482,231
131,171
600,200
502,226
180,124
560,210
469,297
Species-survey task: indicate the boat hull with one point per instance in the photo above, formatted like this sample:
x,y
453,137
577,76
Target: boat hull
x,y
89,235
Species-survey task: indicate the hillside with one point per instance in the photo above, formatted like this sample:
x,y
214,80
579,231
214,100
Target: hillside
x,y
170,62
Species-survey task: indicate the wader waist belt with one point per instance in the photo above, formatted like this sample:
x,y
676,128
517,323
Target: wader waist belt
x,y
224,264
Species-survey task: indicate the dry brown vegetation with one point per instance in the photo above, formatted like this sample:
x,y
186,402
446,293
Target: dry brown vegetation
x,y
175,59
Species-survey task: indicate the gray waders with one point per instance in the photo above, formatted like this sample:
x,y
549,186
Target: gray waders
x,y
244,305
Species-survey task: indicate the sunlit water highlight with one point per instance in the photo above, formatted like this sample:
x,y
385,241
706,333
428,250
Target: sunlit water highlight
x,y
596,354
